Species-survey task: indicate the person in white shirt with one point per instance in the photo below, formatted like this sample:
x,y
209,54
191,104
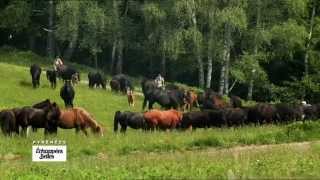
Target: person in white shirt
x,y
159,81
57,63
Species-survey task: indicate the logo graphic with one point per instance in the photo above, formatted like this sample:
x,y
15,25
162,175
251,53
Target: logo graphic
x,y
49,151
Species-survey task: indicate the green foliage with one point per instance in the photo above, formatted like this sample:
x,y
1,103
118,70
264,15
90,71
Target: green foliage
x,y
248,68
286,37
16,16
94,26
69,16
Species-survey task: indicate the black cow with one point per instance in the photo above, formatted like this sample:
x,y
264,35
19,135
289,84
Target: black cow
x,y
123,82
96,80
67,94
52,77
35,71
131,119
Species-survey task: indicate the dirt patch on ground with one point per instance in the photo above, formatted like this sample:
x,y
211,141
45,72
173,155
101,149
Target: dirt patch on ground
x,y
10,157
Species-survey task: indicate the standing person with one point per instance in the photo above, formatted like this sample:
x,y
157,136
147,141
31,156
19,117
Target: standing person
x,y
159,81
57,63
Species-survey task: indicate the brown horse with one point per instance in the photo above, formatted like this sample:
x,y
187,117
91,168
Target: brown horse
x,y
79,119
169,119
191,99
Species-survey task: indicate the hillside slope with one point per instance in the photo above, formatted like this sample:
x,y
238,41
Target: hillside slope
x,y
140,154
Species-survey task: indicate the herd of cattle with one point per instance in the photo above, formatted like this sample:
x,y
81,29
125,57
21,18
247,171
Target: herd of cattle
x,y
215,111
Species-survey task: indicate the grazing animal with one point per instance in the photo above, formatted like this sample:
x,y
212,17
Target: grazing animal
x,y
96,80
203,119
235,102
79,119
124,83
75,78
191,99
131,119
213,100
310,112
67,93
115,85
38,118
52,77
235,116
262,113
8,122
166,98
289,112
68,73
168,119
35,71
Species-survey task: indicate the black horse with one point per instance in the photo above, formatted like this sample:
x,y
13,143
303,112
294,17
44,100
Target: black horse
x,y
8,122
122,83
166,98
96,80
35,71
67,93
52,77
46,118
131,119
203,119
68,73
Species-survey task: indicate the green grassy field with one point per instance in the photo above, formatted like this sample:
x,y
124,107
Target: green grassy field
x,y
246,152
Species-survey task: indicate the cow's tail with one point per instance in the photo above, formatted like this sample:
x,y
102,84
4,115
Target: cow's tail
x,y
116,121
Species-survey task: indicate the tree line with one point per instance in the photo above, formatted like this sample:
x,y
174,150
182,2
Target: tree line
x,y
266,50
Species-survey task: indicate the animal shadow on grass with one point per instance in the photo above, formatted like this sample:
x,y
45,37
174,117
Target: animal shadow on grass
x,y
25,83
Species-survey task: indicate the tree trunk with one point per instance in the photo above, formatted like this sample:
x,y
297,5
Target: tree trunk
x,y
227,44
250,90
95,61
113,55
120,56
67,55
221,82
306,56
197,51
209,71
201,71
163,64
32,40
50,48
255,50
227,69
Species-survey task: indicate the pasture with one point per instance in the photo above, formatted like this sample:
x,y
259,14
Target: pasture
x,y
286,151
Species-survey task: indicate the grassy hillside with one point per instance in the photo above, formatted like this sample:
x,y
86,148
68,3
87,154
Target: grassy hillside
x,y
206,153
